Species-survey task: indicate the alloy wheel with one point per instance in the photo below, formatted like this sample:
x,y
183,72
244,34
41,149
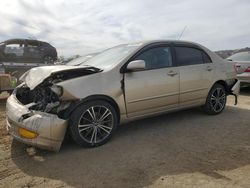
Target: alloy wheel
x,y
218,99
96,124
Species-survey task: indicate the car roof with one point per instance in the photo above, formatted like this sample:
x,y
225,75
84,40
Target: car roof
x,y
147,42
19,40
178,42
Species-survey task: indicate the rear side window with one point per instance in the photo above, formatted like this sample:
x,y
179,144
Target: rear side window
x,y
191,56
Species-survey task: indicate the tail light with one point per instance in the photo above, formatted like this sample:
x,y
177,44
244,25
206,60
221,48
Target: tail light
x,y
236,67
248,69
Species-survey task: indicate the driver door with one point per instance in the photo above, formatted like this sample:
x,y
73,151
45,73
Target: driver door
x,y
154,89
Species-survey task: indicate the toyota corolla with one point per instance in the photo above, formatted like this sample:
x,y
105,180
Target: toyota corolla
x,y
121,84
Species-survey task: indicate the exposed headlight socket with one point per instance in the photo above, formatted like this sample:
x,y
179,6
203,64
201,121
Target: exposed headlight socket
x,y
57,90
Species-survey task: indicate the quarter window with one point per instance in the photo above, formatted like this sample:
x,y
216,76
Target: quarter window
x,y
155,58
190,56
206,58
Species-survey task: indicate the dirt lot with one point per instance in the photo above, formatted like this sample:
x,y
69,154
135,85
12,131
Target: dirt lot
x,y
183,149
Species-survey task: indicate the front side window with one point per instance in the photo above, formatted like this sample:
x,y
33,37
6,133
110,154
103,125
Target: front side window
x,y
155,58
188,56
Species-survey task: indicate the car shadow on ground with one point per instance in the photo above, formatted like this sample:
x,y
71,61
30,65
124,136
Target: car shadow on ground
x,y
143,151
245,91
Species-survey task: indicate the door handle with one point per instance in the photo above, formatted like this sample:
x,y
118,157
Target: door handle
x,y
209,68
172,73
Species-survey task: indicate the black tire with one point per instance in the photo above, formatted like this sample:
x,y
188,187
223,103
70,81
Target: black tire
x,y
81,119
215,104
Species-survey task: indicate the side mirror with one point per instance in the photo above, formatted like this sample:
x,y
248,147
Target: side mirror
x,y
136,65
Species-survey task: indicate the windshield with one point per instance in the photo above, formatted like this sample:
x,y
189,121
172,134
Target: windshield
x,y
111,56
242,56
79,60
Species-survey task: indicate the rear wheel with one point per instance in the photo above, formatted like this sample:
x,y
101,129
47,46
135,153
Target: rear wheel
x,y
93,123
216,100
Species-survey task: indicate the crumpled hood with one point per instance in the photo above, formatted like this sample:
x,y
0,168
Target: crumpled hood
x,y
37,75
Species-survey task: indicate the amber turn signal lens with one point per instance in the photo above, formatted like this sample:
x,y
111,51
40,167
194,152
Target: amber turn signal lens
x,y
26,133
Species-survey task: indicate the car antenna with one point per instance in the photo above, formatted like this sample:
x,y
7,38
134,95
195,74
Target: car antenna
x,y
182,32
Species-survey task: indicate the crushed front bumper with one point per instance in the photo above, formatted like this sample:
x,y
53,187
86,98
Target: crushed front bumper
x,y
50,128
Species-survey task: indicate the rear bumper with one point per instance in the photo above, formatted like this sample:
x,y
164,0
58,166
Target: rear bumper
x,y
235,90
244,77
49,127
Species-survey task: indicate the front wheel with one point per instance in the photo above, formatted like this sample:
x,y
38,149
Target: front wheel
x,y
216,100
93,123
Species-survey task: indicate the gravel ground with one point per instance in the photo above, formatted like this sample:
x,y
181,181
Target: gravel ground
x,y
182,149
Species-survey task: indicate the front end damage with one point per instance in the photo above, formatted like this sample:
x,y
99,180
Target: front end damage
x,y
48,129
35,110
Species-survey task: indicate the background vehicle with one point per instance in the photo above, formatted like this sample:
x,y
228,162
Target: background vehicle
x,y
123,83
242,66
27,50
19,55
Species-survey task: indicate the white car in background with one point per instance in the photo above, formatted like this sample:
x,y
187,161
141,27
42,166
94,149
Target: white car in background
x,y
242,66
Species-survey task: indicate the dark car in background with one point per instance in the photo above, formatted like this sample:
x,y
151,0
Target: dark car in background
x,y
27,50
18,56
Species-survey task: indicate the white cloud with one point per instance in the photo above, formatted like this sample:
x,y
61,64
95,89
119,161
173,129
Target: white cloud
x,y
82,27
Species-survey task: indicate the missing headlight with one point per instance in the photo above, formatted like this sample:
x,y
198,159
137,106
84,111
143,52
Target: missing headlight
x,y
57,90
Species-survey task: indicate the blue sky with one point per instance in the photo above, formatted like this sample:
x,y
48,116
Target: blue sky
x,y
81,27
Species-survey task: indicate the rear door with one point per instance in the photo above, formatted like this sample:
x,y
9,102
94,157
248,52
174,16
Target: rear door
x,y
154,89
196,74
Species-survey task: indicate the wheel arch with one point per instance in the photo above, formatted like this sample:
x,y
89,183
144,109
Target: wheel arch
x,y
106,98
207,107
221,82
224,84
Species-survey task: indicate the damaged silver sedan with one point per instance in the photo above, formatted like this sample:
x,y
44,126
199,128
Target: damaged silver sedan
x,y
121,84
